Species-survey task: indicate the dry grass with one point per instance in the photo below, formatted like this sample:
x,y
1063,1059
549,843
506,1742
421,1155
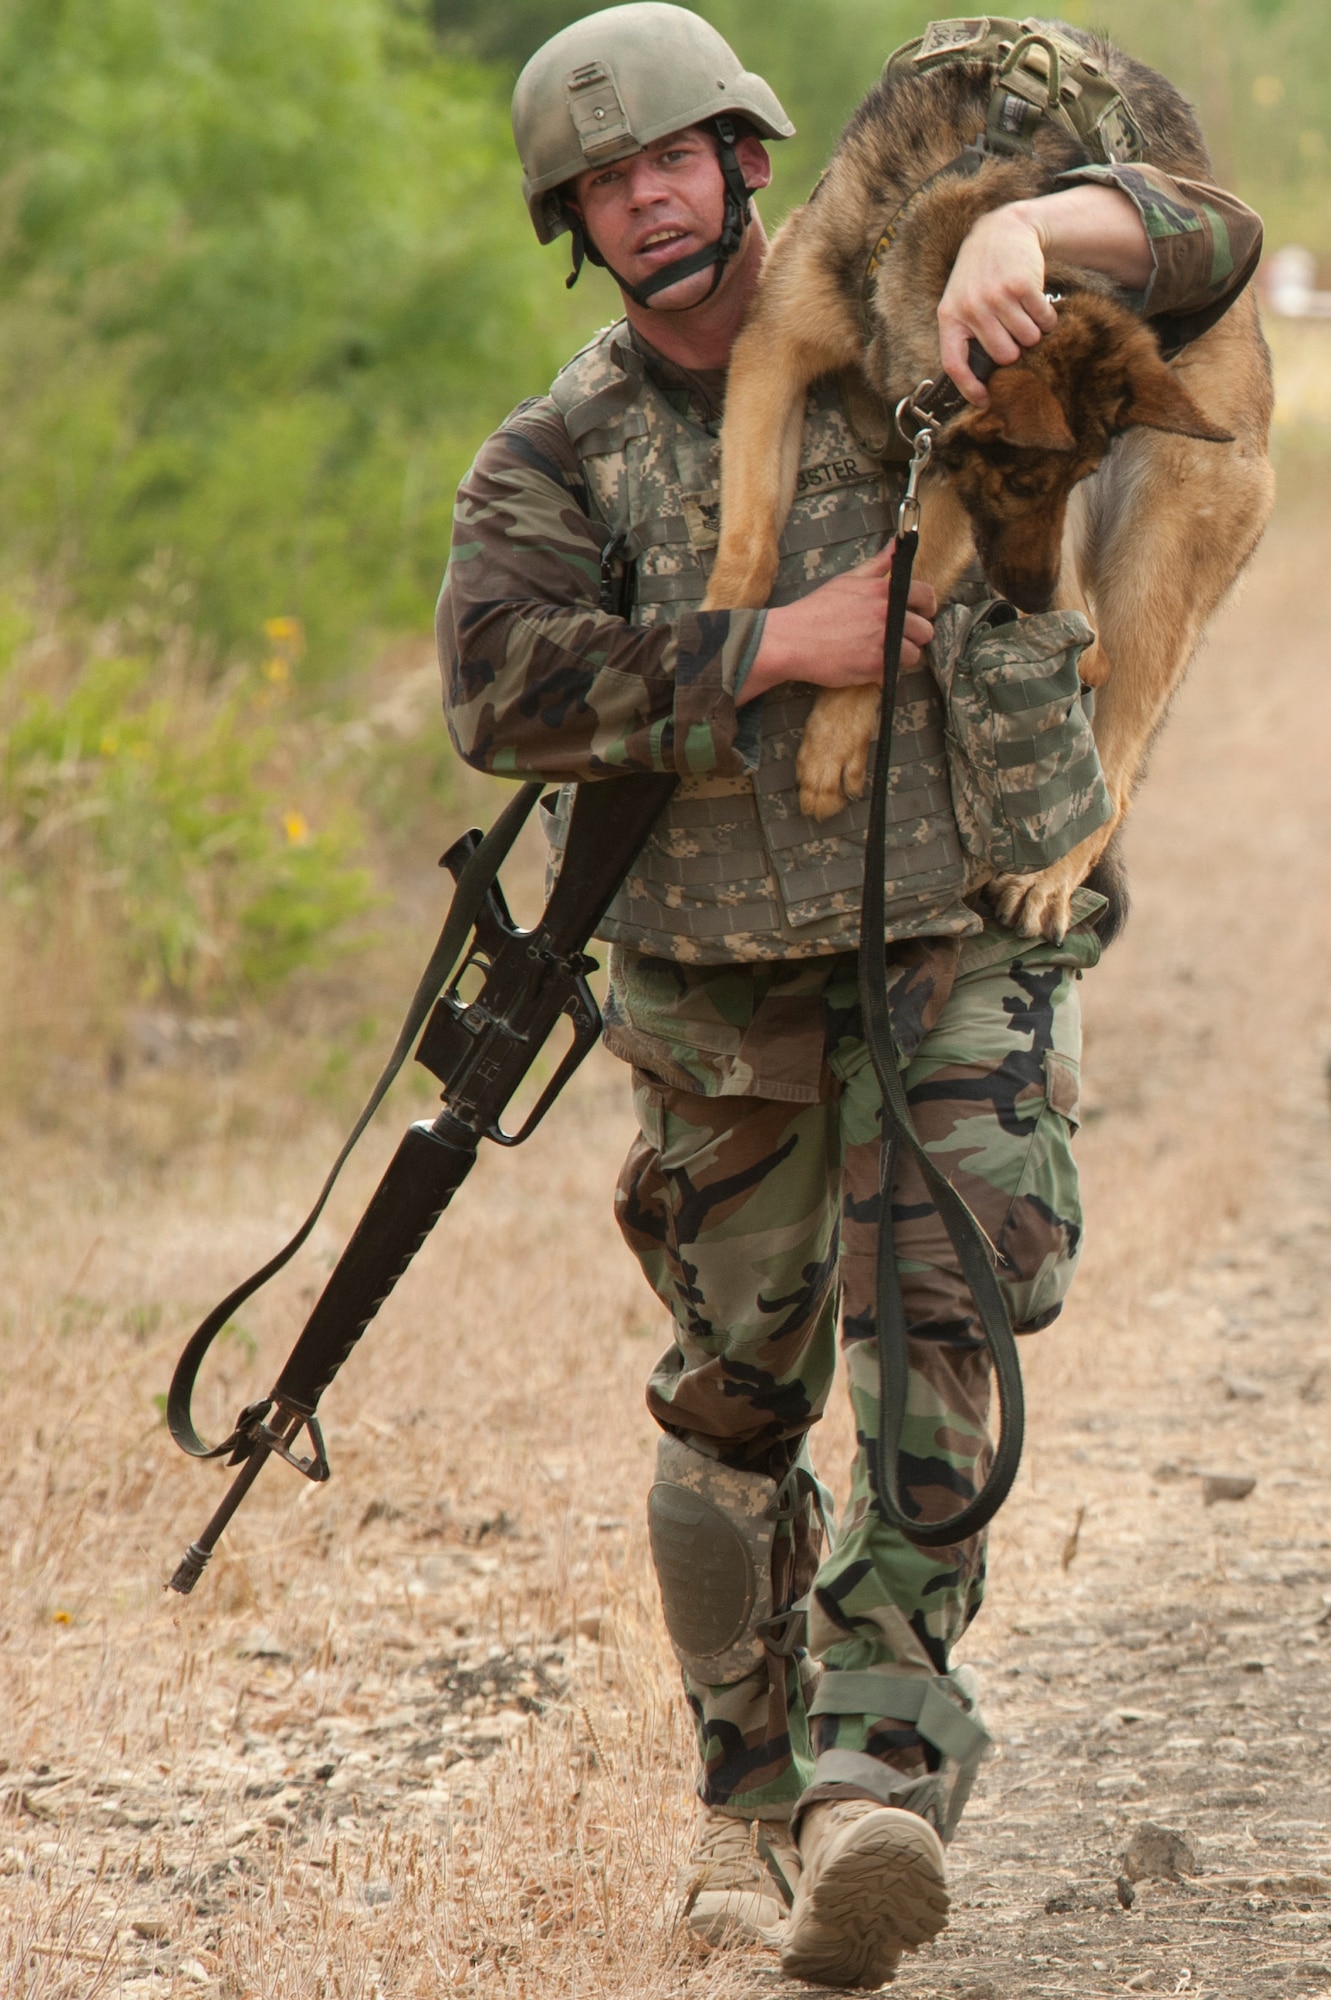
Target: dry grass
x,y
418,1732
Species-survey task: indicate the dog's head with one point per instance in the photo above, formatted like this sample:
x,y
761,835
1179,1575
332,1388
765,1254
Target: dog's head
x,y
1050,420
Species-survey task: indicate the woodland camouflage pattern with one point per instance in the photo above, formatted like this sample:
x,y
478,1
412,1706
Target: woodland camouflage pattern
x,y
1202,239
752,1202
752,1197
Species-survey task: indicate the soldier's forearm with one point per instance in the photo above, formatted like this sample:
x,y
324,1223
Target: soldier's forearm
x,y
834,636
564,692
1097,227
1204,242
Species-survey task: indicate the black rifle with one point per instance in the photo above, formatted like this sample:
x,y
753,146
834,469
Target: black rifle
x,y
480,1050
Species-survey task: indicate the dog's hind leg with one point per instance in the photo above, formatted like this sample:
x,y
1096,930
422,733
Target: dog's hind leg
x,y
1168,524
1178,523
801,327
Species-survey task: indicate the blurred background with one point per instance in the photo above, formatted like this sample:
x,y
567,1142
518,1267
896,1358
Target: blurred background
x,y
265,282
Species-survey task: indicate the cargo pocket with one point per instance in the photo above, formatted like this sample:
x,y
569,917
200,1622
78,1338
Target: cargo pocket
x,y
1025,774
1040,1241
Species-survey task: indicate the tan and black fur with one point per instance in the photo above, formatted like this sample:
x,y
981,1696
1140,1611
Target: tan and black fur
x,y
1098,478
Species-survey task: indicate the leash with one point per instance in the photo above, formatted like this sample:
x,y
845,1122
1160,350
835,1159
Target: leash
x,y
925,410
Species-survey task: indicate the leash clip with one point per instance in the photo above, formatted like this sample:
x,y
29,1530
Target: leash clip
x,y
908,514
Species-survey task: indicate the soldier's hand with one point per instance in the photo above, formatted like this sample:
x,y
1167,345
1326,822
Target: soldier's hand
x,y
995,295
834,636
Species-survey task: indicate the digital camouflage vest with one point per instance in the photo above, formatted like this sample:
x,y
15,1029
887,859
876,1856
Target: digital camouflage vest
x,y
734,869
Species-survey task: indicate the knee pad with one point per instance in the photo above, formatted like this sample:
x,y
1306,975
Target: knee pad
x,y
712,1532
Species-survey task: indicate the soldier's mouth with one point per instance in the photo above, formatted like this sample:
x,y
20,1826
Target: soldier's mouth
x,y
660,245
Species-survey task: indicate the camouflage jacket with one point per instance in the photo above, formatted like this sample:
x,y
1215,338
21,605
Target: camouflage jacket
x,y
539,681
1204,243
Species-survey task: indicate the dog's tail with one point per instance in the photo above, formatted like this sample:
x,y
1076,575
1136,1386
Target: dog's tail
x,y
1109,878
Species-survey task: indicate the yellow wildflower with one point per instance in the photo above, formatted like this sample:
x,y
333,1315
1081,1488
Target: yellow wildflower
x,y
296,827
286,633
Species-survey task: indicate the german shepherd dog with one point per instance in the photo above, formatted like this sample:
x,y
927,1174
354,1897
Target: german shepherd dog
x,y
1098,478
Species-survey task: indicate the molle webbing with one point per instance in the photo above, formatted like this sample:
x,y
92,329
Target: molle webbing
x,y
734,869
868,523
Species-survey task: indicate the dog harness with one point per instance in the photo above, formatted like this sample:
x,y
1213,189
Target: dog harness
x,y
1040,73
1040,76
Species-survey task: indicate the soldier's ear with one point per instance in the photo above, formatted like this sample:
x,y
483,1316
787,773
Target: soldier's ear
x,y
1023,411
754,162
1158,401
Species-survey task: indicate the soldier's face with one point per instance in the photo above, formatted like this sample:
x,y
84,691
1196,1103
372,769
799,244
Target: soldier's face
x,y
662,204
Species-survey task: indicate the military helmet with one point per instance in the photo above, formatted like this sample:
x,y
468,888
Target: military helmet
x,y
611,83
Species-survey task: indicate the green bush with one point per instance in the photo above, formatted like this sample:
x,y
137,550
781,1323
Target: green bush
x,y
264,280
171,809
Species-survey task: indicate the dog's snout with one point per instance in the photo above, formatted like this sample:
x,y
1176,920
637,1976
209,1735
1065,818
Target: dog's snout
x,y
1028,591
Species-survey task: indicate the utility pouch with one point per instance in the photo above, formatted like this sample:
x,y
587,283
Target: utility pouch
x,y
1022,762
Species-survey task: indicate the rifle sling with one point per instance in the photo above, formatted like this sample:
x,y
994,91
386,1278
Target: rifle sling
x,y
474,883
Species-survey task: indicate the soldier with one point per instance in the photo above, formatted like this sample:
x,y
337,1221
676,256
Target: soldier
x,y
836,1743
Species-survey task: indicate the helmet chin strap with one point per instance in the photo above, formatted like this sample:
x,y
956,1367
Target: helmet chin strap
x,y
714,256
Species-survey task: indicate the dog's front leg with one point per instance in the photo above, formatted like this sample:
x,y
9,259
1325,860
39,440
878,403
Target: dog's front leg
x,y
760,457
1075,584
833,763
800,327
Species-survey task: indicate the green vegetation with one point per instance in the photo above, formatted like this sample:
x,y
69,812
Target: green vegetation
x,y
262,277
155,797
265,280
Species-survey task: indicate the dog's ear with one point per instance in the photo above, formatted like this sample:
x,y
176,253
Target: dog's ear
x,y
1022,411
1158,401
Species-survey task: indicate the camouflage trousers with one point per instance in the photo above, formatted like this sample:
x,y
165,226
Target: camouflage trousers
x,y
752,1200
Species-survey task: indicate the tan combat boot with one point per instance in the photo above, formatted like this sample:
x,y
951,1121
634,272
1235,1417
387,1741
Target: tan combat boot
x,y
873,1884
728,1890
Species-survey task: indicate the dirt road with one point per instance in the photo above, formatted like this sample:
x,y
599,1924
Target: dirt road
x,y
418,1731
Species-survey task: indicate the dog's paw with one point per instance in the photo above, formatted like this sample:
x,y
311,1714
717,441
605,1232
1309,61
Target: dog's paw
x,y
1035,905
855,771
831,769
833,762
821,796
